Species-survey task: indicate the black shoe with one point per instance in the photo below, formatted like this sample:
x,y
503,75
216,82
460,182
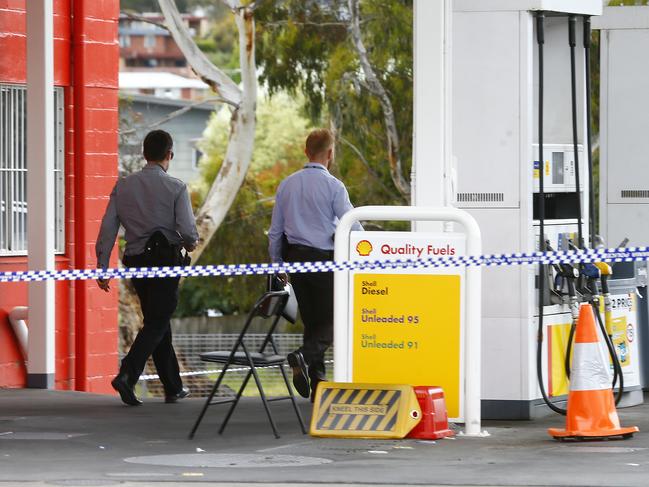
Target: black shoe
x,y
126,392
184,392
300,378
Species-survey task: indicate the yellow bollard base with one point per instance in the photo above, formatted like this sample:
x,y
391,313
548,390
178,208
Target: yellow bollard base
x,y
350,410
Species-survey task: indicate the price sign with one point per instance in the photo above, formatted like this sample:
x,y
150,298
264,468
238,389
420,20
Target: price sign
x,y
407,323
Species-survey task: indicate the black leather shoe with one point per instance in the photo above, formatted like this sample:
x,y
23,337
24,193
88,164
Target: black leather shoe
x,y
300,378
184,392
126,392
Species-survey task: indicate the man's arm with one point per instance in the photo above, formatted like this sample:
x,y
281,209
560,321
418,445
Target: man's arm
x,y
185,222
276,231
106,238
107,232
342,205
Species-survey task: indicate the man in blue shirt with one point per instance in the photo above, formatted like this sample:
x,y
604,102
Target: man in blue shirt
x,y
308,206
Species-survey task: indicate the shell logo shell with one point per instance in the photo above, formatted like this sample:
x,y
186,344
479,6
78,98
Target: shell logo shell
x,y
364,248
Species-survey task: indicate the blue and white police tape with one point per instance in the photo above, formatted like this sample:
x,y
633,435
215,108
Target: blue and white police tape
x,y
627,254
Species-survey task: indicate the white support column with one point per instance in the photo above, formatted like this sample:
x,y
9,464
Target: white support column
x,y
432,138
40,190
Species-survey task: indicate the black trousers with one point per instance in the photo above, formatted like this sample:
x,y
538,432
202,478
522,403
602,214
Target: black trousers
x,y
158,300
315,298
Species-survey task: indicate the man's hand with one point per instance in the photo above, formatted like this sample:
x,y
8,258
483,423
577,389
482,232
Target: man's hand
x,y
104,284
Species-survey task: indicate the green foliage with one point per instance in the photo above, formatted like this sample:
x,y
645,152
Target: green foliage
x,y
626,3
304,46
221,44
242,237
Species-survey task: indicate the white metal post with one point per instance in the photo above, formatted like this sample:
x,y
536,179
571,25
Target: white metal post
x,y
40,190
473,302
432,138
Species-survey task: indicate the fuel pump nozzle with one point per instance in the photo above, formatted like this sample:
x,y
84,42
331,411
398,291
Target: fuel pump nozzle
x,y
566,275
593,272
590,272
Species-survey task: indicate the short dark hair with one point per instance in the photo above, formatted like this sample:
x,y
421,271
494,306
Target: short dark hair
x,y
157,144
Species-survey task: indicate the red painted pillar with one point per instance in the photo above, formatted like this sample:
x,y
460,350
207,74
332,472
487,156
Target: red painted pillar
x,y
95,64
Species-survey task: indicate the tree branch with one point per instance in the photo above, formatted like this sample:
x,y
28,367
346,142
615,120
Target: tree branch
x,y
376,88
141,18
172,115
210,74
280,23
241,142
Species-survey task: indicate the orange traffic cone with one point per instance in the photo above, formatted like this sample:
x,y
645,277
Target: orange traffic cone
x,y
591,406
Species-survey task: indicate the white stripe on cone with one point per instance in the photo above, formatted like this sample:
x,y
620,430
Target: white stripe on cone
x,y
590,371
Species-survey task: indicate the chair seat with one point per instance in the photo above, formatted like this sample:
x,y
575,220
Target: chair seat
x,y
259,359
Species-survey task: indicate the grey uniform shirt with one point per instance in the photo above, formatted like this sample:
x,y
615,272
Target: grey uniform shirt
x,y
308,206
142,203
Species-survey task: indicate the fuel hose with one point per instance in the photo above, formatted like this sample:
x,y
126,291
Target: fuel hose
x,y
540,39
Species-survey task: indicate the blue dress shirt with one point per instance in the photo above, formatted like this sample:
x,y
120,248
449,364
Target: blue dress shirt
x,y
308,205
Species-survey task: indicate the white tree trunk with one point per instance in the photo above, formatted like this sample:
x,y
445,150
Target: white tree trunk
x,y
242,123
376,88
203,67
241,143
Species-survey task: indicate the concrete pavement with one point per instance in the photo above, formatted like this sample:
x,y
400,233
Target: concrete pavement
x,y
71,438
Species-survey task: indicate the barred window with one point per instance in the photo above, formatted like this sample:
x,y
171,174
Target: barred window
x,y
13,170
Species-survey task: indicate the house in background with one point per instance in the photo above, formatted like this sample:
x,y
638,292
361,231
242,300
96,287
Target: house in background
x,y
162,84
186,129
146,45
73,340
155,82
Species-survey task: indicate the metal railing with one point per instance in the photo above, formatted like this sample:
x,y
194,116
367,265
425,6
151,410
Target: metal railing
x,y
200,376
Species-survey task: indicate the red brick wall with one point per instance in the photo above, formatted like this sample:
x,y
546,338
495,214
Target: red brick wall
x,y
86,64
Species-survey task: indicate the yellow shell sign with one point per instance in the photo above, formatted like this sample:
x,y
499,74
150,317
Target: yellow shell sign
x,y
364,248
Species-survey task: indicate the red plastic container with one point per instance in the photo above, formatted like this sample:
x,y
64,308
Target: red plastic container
x,y
434,420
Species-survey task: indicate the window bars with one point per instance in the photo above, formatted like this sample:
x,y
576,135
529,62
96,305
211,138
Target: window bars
x,y
13,170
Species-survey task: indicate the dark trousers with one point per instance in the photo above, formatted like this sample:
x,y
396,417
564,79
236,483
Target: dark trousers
x,y
158,300
315,298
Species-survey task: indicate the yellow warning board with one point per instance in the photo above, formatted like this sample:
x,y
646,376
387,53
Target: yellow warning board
x,y
407,331
558,383
349,410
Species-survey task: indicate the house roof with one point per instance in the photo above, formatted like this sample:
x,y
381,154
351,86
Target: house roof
x,y
157,79
208,106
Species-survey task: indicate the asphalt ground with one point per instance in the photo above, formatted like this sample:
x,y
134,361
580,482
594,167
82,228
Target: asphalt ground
x,y
79,439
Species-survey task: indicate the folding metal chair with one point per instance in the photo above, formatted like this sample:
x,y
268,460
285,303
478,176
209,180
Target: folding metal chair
x,y
271,306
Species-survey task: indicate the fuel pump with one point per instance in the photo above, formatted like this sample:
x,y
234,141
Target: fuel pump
x,y
570,283
505,196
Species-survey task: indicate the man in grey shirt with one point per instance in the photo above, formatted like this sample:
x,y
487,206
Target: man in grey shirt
x,y
308,205
156,213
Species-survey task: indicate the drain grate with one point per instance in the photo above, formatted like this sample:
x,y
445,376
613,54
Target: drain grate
x,y
228,460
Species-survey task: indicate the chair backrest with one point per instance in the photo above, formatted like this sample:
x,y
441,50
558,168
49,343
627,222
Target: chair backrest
x,y
271,304
269,307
